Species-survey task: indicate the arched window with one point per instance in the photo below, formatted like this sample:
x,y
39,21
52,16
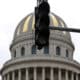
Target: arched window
x,y
15,53
67,53
58,51
22,51
33,49
46,50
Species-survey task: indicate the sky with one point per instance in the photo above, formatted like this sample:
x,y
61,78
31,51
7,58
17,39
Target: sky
x,y
13,11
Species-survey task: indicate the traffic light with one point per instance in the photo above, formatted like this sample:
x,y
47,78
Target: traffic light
x,y
42,25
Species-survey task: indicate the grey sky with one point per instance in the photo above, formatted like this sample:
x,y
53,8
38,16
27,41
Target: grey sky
x,y
12,11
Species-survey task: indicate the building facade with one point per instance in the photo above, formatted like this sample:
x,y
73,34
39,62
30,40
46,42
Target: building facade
x,y
53,62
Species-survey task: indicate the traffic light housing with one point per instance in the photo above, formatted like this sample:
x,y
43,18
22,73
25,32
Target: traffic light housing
x,y
42,25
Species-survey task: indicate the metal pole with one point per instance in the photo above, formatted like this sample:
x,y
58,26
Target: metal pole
x,y
65,29
39,1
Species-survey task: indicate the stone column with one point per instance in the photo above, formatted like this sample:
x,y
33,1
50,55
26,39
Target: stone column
x,y
35,74
43,73
13,75
66,75
27,75
51,74
4,77
72,76
8,76
19,74
79,76
59,74
76,76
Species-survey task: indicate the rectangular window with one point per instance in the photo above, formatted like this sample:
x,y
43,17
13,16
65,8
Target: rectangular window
x,y
46,50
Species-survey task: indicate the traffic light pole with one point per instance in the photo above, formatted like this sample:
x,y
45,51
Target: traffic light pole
x,y
42,21
64,29
40,1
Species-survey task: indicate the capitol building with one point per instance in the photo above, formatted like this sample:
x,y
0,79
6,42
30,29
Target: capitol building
x,y
53,62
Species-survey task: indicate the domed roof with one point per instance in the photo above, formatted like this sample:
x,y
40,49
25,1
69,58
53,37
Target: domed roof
x,y
27,24
26,27
24,35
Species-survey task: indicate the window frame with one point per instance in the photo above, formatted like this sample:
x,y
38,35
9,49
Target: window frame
x,y
67,53
46,50
34,49
58,51
14,53
22,51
